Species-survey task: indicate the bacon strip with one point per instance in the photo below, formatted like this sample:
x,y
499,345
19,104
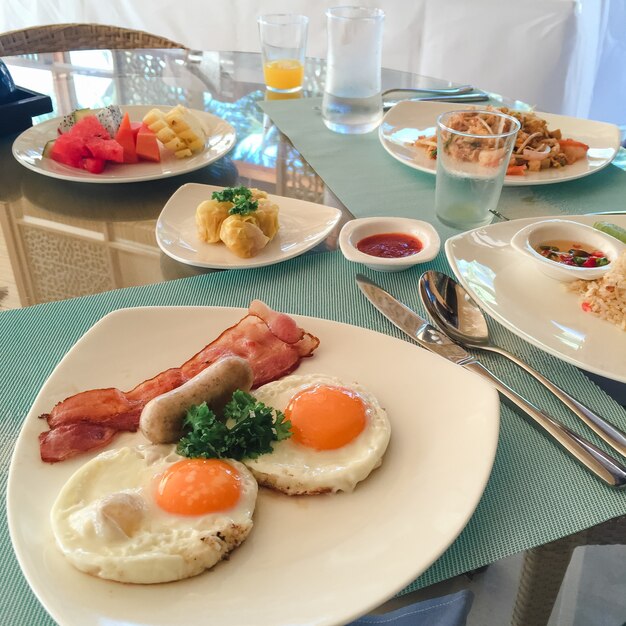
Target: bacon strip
x,y
68,440
271,342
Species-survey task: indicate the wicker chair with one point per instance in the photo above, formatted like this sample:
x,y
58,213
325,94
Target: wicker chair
x,y
63,37
545,566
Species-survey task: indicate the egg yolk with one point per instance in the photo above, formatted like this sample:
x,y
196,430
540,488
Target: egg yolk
x,y
325,417
198,487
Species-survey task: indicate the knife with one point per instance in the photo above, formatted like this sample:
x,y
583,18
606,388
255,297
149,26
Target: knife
x,y
604,466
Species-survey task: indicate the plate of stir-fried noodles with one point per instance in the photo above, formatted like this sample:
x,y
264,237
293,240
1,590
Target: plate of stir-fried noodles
x,y
549,148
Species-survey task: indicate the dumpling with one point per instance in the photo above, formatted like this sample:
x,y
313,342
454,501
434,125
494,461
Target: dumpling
x,y
209,217
267,217
242,236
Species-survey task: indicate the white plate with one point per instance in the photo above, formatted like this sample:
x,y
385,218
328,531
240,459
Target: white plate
x,y
28,149
312,561
302,226
406,121
539,309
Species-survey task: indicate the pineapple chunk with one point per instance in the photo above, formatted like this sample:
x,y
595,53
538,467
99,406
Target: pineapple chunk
x,y
196,145
181,154
164,134
176,145
152,116
176,120
178,130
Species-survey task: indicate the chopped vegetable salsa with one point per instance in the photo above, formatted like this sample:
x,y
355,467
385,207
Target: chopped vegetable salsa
x,y
572,253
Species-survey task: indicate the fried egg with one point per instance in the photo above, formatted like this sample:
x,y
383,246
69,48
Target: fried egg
x,y
339,435
147,515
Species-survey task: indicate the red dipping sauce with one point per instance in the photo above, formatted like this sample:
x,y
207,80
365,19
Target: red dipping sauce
x,y
390,245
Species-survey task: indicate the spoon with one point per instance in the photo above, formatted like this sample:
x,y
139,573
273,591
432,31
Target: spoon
x,y
460,317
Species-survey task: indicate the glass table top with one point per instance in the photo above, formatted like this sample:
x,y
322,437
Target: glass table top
x,y
63,239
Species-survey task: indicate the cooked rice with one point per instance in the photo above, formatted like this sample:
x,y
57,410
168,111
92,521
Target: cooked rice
x,y
606,296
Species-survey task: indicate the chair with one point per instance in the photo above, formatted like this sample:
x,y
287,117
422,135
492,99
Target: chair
x,y
544,568
62,37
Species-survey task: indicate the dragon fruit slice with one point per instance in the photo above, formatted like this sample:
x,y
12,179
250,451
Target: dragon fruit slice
x,y
66,123
111,118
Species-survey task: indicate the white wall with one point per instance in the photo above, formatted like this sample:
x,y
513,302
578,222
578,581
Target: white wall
x,y
553,54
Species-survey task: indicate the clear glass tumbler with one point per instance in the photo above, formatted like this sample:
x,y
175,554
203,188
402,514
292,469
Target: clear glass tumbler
x,y
283,46
352,100
473,153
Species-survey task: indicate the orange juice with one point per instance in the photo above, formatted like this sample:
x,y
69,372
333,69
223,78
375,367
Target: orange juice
x,y
283,74
282,95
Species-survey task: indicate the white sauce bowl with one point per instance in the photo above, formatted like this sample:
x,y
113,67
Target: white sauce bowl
x,y
530,237
357,229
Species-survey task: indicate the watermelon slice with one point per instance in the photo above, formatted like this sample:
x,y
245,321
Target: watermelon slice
x,y
95,166
69,150
87,145
47,149
88,128
126,138
147,145
105,149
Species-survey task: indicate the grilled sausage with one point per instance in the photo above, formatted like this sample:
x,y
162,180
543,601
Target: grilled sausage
x,y
162,418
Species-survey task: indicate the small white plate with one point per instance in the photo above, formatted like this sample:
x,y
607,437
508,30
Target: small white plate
x,y
406,121
28,149
302,225
510,288
312,561
355,230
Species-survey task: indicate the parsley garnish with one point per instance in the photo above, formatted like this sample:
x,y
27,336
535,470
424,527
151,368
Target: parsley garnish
x,y
249,431
241,197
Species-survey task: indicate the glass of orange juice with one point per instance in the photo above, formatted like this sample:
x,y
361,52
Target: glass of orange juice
x,y
283,46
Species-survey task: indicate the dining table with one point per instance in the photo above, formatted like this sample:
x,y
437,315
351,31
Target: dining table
x,y
73,253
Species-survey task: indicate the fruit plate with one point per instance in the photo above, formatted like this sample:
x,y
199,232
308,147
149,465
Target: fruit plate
x,y
313,561
302,226
28,149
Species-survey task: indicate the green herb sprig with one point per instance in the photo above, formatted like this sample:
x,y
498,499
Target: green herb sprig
x,y
249,431
241,197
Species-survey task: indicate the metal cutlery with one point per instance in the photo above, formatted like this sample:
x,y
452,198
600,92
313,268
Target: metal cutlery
x,y
604,466
443,90
458,97
459,316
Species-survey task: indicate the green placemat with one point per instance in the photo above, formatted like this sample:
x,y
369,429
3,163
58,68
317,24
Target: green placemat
x,y
535,494
371,182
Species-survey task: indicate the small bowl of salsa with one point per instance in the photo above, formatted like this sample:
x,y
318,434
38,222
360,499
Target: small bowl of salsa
x,y
388,244
566,250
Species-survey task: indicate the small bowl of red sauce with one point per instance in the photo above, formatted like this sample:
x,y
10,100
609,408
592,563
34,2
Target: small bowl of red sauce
x,y
566,250
389,244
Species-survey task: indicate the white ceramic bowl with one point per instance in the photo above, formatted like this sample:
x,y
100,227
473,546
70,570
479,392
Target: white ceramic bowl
x,y
533,235
355,230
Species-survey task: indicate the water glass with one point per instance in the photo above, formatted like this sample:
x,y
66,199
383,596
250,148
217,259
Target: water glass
x,y
473,153
283,46
352,101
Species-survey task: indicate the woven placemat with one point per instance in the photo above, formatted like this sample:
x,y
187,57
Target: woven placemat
x,y
535,494
371,182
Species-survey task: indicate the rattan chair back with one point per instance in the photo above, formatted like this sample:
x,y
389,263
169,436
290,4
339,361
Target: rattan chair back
x,y
63,37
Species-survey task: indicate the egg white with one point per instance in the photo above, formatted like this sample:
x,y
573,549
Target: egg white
x,y
296,469
106,522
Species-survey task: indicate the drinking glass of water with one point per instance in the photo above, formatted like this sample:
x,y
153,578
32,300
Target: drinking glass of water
x,y
352,101
473,153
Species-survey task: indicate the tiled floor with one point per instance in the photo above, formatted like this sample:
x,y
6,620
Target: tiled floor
x,y
593,593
